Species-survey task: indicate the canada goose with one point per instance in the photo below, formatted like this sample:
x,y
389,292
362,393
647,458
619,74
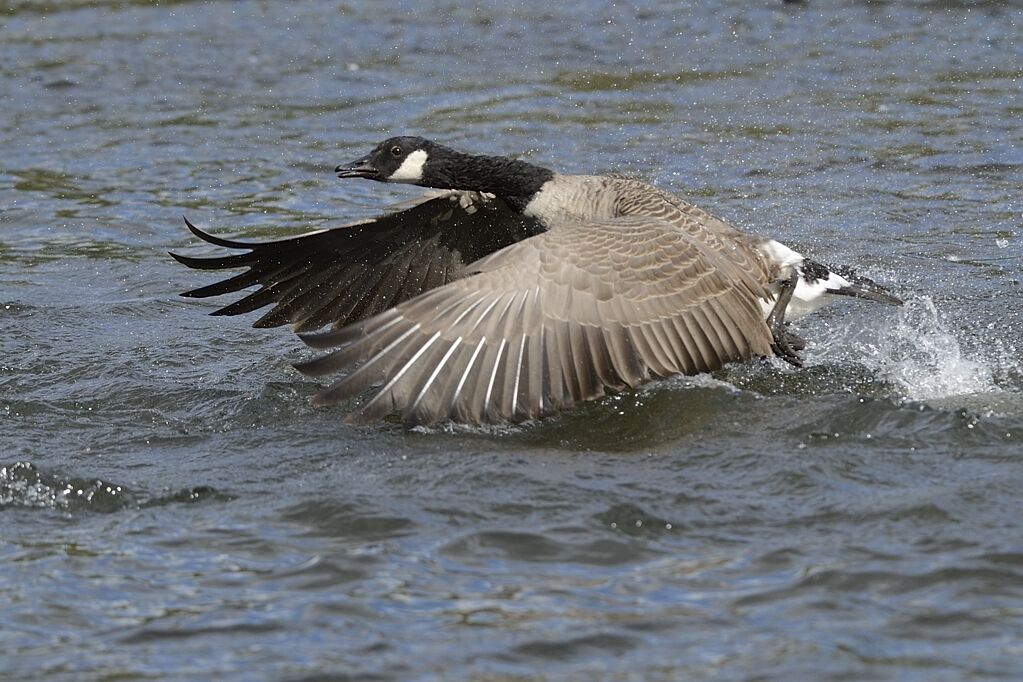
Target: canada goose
x,y
516,292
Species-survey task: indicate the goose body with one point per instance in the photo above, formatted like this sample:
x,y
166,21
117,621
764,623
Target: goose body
x,y
515,292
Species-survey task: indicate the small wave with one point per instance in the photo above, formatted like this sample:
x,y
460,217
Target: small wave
x,y
916,353
453,428
23,485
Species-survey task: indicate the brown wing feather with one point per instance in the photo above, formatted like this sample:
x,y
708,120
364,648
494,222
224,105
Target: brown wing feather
x,y
350,273
709,230
556,319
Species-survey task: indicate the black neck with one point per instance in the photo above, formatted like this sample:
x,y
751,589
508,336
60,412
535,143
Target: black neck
x,y
515,181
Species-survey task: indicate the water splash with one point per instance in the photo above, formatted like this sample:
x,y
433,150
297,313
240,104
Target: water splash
x,y
917,353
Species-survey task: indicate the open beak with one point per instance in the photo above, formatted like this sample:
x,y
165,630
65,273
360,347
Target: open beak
x,y
363,168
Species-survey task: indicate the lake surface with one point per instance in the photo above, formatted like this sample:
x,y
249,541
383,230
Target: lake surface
x,y
171,507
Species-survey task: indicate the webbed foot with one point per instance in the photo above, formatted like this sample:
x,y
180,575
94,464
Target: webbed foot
x,y
785,346
785,342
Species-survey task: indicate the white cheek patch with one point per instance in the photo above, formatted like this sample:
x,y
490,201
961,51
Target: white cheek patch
x,y
411,169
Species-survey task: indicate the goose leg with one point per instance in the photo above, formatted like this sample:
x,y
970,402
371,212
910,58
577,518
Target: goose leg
x,y
785,342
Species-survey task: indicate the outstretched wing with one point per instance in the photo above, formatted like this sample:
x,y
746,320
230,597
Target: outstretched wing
x,y
342,275
558,318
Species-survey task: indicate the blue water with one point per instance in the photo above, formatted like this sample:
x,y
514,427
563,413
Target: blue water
x,y
171,507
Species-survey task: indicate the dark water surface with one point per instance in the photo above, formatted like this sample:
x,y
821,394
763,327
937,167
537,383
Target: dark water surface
x,y
172,507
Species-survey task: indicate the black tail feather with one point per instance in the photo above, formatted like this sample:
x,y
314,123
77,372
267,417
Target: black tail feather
x,y
864,287
859,286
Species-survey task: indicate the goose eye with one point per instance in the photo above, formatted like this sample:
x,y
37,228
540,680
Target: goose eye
x,y
396,151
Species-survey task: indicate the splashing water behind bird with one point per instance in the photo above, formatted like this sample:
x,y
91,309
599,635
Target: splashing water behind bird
x,y
917,353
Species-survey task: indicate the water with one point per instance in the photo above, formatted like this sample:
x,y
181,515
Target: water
x,y
172,507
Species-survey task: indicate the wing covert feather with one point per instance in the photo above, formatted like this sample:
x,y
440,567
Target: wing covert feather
x,y
558,318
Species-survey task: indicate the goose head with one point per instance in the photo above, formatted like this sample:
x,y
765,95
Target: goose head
x,y
396,159
418,161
